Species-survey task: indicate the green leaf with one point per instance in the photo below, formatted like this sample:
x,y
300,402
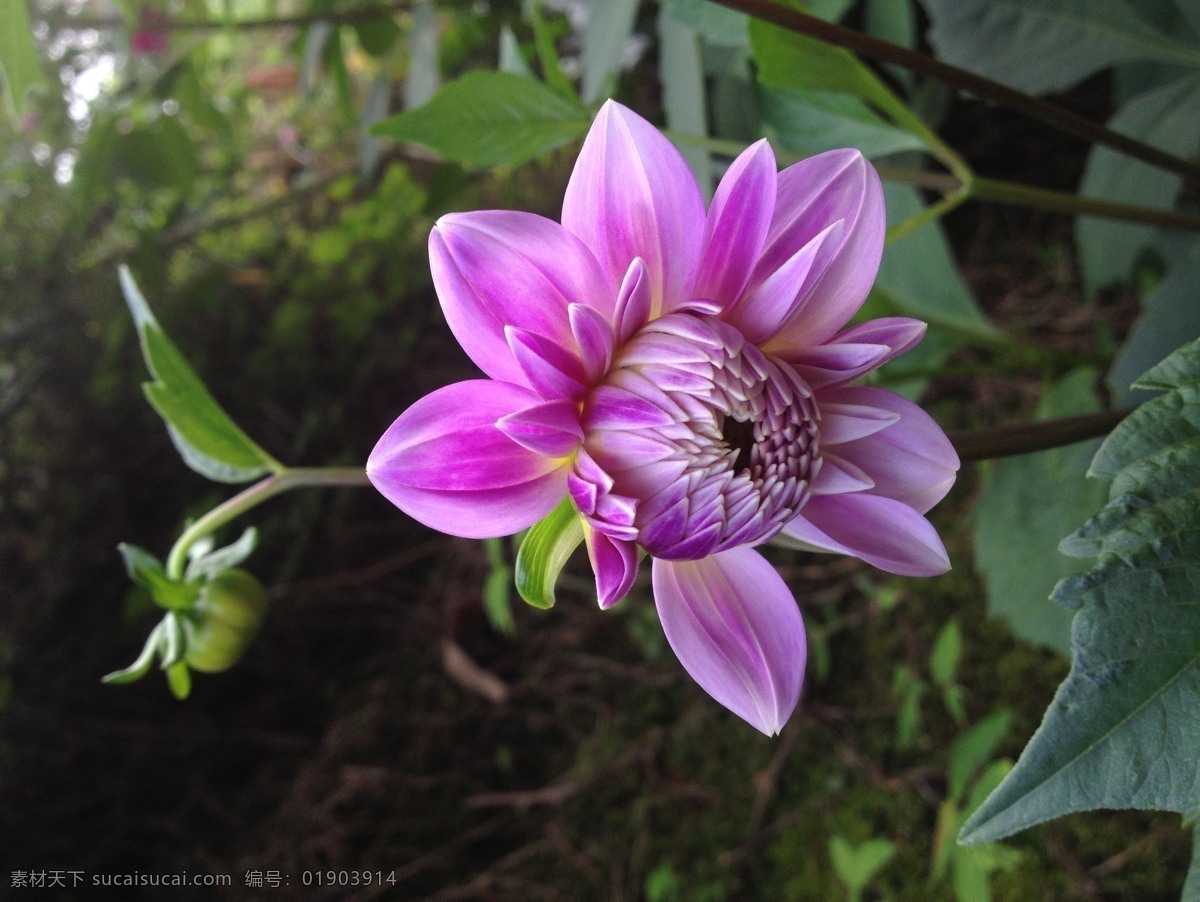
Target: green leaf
x,y
947,652
544,552
18,54
1121,731
138,561
209,564
490,119
971,750
856,865
145,660
605,36
811,122
918,275
1026,505
719,26
543,43
209,441
1171,310
1039,46
1167,117
497,590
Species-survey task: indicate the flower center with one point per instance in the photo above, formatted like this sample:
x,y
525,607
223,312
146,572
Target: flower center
x,y
696,442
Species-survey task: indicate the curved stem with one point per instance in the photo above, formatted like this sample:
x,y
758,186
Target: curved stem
x,y
1024,438
300,477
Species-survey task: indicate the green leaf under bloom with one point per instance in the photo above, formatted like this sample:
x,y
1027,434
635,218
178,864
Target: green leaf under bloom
x,y
210,442
490,119
145,660
544,553
1122,731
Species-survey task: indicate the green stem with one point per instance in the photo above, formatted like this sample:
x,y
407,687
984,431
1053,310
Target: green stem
x,y
288,479
1024,438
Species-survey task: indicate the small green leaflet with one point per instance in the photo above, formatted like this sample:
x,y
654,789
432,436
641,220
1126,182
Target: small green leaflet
x,y
544,553
490,119
209,441
1122,731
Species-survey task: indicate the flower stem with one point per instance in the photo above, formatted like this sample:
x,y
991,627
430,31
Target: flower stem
x,y
300,477
1024,438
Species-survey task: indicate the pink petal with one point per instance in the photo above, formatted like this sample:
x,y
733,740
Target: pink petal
x,y
775,300
911,460
885,533
735,627
632,195
838,476
496,268
549,369
615,564
633,301
899,333
737,225
594,338
834,364
550,428
814,194
444,462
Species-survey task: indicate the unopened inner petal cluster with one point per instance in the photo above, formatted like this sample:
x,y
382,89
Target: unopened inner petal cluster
x,y
683,376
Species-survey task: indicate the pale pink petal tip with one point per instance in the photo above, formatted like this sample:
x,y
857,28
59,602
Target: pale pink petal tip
x,y
735,627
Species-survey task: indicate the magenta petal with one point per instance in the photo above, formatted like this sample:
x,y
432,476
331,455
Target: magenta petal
x,y
633,301
615,564
444,462
885,533
911,460
899,333
814,194
594,338
735,627
549,369
839,476
632,195
737,225
834,364
775,300
551,428
496,268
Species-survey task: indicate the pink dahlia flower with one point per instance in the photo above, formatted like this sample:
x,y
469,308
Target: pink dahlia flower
x,y
683,377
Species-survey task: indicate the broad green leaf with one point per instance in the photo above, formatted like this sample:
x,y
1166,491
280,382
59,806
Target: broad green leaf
x,y
918,275
544,552
1047,45
684,100
811,122
1121,731
1180,368
719,26
19,63
605,35
1167,117
209,441
1027,504
490,119
1170,312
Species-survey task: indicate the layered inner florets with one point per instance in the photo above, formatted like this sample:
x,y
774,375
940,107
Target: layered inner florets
x,y
696,442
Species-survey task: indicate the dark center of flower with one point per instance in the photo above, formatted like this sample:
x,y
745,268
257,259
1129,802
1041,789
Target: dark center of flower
x,y
739,436
696,442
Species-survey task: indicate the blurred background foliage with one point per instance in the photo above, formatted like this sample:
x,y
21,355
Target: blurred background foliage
x,y
270,170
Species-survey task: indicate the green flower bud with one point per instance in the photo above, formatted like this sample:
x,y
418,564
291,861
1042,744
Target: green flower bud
x,y
223,621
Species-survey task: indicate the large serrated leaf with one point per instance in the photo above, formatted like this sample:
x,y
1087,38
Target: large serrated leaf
x,y
490,119
1047,45
1121,731
210,442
